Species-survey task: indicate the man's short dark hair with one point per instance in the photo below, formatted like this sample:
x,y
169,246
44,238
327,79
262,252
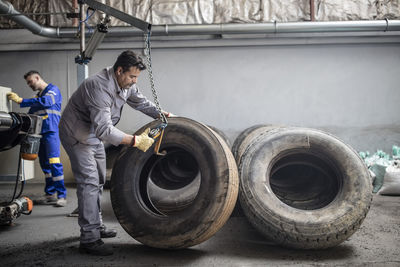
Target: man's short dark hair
x,y
31,72
129,59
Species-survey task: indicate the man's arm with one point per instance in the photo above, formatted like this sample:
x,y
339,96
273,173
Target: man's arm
x,y
127,140
99,102
139,102
46,101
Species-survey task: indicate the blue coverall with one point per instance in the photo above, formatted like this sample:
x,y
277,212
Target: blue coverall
x,y
47,104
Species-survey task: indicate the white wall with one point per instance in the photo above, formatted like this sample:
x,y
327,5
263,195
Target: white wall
x,y
350,90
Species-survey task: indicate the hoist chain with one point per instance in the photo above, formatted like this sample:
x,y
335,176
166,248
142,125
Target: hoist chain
x,y
151,78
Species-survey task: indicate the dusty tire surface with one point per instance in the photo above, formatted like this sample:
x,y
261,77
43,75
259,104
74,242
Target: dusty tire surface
x,y
221,134
193,151
247,137
303,188
241,136
239,146
112,153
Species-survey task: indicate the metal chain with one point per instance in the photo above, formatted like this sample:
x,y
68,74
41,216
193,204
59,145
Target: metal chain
x,y
151,78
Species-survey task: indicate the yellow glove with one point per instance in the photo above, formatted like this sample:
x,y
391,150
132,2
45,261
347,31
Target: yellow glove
x,y
143,141
14,97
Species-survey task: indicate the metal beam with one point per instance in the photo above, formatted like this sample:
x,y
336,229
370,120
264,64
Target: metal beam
x,y
135,22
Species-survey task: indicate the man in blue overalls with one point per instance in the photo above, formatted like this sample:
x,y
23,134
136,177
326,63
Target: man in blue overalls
x,y
47,104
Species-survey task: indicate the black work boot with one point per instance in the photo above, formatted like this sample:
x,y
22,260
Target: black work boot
x,y
74,213
107,233
95,248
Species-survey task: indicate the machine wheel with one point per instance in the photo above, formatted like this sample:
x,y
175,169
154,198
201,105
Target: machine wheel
x,y
197,158
303,188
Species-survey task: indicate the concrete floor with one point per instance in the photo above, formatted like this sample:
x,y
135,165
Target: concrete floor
x,y
48,238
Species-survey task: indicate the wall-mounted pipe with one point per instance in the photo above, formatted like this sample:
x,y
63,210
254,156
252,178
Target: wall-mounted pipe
x,y
213,29
8,8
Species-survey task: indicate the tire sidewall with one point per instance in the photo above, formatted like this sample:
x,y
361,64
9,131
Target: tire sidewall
x,y
351,203
191,225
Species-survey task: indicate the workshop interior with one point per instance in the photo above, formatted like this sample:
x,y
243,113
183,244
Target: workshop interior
x,y
271,130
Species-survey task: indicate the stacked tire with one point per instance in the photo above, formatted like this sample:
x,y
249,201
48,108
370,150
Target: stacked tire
x,y
302,188
182,198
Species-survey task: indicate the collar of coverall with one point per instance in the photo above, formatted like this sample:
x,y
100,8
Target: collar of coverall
x,y
41,91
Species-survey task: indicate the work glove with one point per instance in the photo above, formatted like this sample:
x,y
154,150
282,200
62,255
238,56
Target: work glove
x,y
170,115
14,97
143,141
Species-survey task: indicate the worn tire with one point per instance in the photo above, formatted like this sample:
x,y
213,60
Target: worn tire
x,y
303,188
221,134
239,146
175,227
241,136
112,153
247,136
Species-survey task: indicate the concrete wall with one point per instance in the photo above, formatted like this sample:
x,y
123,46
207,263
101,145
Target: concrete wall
x,y
350,90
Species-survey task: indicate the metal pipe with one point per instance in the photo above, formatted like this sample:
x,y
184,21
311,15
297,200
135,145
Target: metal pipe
x,y
8,8
75,8
263,28
214,29
82,27
312,10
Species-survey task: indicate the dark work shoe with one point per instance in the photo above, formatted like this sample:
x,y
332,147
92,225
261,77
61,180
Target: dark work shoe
x,y
107,233
95,248
74,213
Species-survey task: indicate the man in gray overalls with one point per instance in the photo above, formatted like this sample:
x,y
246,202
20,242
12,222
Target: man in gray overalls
x,y
89,119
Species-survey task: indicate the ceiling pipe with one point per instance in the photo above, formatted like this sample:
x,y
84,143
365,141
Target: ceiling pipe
x,y
212,29
8,8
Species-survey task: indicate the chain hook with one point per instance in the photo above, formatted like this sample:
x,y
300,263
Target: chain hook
x,y
151,77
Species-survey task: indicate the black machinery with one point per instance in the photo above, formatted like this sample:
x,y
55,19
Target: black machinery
x,y
19,129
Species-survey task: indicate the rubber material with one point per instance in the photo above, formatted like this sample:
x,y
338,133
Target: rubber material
x,y
221,134
303,188
175,227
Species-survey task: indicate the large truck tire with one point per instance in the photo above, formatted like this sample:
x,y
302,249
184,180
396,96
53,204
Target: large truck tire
x,y
303,188
221,134
247,136
240,144
241,136
112,153
196,158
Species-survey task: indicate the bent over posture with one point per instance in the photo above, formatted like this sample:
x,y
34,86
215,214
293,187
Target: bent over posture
x,y
47,104
89,119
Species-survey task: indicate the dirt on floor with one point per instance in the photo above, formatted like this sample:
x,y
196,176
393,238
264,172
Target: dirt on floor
x,y
48,237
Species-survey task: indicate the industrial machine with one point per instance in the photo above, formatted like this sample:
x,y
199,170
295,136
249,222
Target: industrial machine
x,y
24,130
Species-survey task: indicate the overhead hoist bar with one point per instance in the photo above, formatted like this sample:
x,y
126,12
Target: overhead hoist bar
x,y
87,51
135,22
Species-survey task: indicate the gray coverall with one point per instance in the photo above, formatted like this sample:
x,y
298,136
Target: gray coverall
x,y
87,120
